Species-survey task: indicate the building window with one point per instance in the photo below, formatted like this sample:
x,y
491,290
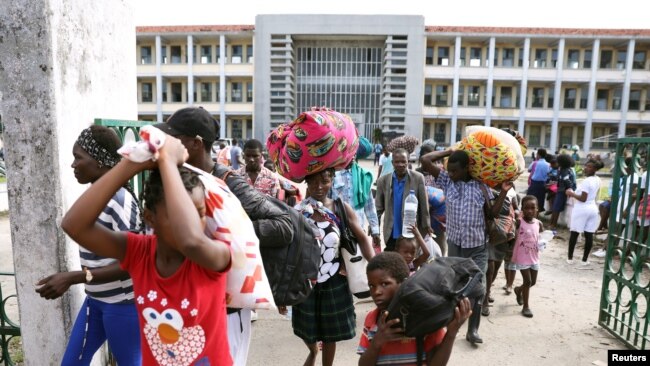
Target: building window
x,y
177,92
584,95
236,129
236,54
443,56
507,57
163,55
538,98
461,95
586,64
475,56
598,143
506,97
462,56
429,57
566,135
520,60
601,99
620,59
534,135
428,91
249,92
249,129
235,92
249,55
540,58
439,132
147,92
145,55
473,95
206,92
573,59
635,100
570,98
164,92
206,54
175,54
441,95
605,59
639,60
554,57
616,99
551,97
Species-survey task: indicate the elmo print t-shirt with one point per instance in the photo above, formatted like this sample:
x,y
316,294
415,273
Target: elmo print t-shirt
x,y
183,316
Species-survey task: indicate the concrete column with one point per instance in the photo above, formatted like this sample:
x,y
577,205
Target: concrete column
x,y
625,100
524,86
61,65
190,74
454,96
557,96
222,85
591,99
159,81
490,83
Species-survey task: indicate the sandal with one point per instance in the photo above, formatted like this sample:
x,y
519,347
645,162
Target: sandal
x,y
508,290
485,311
527,313
490,298
520,299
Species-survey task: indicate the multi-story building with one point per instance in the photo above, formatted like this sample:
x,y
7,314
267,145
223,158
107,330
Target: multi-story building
x,y
559,86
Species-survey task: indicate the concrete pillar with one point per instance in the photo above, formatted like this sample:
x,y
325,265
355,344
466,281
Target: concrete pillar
x,y
524,86
190,73
625,100
490,83
591,96
61,65
222,86
557,96
159,80
454,95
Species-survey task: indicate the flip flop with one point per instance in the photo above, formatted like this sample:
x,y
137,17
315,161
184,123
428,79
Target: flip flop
x,y
490,299
527,313
520,299
508,290
485,311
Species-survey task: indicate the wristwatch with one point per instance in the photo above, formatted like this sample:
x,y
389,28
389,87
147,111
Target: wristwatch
x,y
89,275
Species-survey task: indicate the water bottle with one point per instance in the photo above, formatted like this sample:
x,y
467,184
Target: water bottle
x,y
410,212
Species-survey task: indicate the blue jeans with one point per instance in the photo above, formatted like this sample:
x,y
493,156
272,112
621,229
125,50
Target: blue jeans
x,y
117,323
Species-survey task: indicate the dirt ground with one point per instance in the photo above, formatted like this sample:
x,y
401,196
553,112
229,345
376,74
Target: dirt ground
x,y
563,331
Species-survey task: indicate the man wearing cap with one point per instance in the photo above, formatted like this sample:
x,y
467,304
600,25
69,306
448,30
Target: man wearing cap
x,y
197,130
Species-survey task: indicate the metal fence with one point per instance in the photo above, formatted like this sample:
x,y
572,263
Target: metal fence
x,y
8,329
626,277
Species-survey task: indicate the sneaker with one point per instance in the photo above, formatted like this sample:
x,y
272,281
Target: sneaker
x,y
584,263
600,253
253,316
569,261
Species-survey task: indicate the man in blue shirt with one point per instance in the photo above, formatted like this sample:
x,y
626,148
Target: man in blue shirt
x,y
392,190
538,177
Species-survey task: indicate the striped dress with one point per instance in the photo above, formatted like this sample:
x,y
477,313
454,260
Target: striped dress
x,y
120,214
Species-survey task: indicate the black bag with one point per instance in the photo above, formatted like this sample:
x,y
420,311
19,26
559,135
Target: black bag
x,y
292,269
347,240
425,302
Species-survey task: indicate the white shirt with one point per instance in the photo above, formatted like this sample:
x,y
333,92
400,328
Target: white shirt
x,y
591,186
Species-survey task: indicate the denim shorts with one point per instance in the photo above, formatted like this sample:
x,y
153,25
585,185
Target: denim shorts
x,y
519,267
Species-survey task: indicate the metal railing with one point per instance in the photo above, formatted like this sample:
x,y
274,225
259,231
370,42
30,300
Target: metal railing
x,y
8,329
626,276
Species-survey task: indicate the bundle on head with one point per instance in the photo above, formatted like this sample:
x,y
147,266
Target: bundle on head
x,y
317,140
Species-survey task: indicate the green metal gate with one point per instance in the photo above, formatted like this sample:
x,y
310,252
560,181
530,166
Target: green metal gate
x,y
8,329
626,276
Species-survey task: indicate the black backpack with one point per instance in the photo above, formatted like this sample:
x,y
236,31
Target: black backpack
x,y
292,269
425,302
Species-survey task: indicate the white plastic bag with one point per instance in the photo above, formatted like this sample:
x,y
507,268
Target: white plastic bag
x,y
545,238
355,268
433,247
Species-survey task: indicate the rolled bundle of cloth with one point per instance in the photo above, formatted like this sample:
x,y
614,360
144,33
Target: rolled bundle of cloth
x,y
407,143
495,156
365,148
317,140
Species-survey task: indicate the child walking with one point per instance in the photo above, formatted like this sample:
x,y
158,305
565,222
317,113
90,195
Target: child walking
x,y
382,341
179,274
406,247
525,254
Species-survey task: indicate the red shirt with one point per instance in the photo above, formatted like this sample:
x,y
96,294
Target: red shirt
x,y
400,352
182,317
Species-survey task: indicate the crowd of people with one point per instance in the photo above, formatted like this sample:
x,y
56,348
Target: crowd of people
x,y
158,250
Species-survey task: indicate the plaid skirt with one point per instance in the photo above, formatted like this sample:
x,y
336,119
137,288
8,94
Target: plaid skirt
x,y
327,315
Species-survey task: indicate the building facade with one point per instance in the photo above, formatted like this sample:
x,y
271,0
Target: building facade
x,y
559,86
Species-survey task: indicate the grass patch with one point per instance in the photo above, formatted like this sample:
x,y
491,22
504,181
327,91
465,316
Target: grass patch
x,y
4,214
3,179
16,350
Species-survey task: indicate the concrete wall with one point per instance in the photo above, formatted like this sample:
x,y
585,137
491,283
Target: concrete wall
x,y
61,65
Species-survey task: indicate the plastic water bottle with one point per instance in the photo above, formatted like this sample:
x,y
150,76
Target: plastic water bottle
x,y
410,212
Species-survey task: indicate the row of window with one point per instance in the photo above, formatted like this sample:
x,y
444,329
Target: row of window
x,y
537,97
203,54
539,57
207,92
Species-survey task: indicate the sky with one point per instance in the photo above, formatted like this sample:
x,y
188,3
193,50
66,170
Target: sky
x,y
623,14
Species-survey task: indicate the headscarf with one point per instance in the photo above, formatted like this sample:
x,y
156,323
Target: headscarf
x,y
364,149
96,151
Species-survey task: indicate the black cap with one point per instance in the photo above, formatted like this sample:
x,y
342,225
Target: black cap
x,y
191,121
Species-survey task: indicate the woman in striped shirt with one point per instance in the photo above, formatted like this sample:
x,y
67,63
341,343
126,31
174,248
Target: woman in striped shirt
x,y
108,312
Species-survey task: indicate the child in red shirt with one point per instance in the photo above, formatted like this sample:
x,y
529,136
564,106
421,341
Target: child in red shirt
x,y
383,344
179,274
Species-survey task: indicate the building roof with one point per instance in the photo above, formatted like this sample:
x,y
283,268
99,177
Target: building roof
x,y
428,29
